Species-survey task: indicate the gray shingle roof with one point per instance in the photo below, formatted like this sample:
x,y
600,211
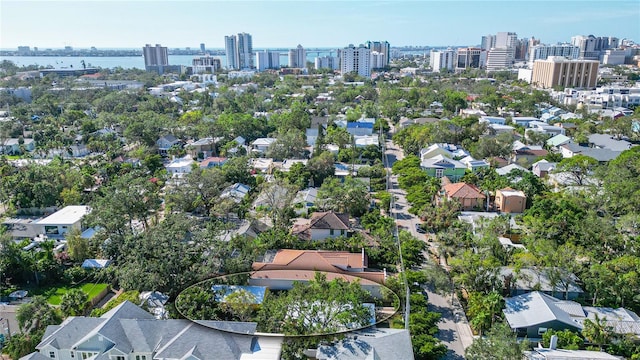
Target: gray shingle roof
x,y
535,308
372,343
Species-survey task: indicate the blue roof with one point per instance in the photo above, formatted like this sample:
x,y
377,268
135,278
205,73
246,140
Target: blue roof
x,y
359,125
222,291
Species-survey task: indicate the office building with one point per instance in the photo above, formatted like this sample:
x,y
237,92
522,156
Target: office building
x,y
613,57
563,72
488,42
239,51
499,59
231,51
470,58
298,57
327,62
155,58
205,64
382,47
592,47
355,60
202,49
442,60
267,60
542,52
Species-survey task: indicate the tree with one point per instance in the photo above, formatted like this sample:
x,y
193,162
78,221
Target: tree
x,y
36,315
499,343
74,302
78,247
597,331
484,310
423,326
412,249
351,196
199,303
240,304
321,167
567,339
289,144
578,168
298,175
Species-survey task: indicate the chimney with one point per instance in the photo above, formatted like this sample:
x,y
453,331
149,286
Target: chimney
x,y
364,265
553,343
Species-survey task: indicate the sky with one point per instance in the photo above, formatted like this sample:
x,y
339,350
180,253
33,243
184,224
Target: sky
x,y
312,23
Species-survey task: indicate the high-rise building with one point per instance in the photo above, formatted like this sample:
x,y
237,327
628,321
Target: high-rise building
x,y
155,57
542,52
592,47
231,51
267,60
298,57
202,49
488,42
499,58
566,73
355,59
245,51
470,58
327,62
239,51
382,47
377,60
442,60
205,64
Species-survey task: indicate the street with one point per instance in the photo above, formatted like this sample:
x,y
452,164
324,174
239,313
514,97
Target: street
x,y
455,332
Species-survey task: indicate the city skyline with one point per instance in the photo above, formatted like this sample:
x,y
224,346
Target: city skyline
x,y
284,24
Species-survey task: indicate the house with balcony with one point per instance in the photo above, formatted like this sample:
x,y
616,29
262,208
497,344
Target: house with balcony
x,y
440,166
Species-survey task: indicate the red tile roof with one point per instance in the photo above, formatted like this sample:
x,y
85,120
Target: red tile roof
x,y
463,191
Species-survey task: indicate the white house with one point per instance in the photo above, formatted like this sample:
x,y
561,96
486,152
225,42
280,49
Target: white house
x,y
63,221
493,120
261,145
180,166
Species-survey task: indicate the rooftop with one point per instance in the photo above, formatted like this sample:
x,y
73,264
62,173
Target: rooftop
x,y
66,216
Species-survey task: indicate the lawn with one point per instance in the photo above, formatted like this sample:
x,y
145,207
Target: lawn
x,y
54,295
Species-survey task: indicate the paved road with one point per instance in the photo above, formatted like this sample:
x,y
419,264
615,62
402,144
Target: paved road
x,y
455,332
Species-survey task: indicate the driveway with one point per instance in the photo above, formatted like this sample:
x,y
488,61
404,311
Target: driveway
x,y
454,332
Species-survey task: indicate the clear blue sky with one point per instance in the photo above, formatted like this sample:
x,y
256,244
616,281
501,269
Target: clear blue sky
x,y
133,23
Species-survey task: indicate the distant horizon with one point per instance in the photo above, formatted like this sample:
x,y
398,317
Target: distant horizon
x,y
326,23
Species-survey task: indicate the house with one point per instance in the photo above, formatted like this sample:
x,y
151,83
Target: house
x,y
510,201
202,148
212,162
543,127
129,333
372,343
468,196
304,200
440,166
260,145
239,142
405,121
602,141
311,136
542,168
263,165
13,146
180,166
526,280
341,262
447,150
155,302
288,163
322,225
505,170
475,165
63,221
166,142
366,140
237,192
523,120
563,354
572,149
532,314
500,129
528,154
95,263
360,128
493,120
557,141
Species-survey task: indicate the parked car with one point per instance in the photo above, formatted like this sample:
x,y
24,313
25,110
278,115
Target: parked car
x,y
420,230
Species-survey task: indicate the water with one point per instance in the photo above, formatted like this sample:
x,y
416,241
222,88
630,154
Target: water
x,y
126,62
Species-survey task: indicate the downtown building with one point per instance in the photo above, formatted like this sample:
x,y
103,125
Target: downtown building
x,y
558,71
442,60
156,58
355,60
501,50
542,52
381,47
298,57
592,47
327,62
470,58
239,51
267,60
205,64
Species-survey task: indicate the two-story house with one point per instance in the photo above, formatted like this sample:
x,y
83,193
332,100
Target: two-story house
x,y
166,142
322,225
440,166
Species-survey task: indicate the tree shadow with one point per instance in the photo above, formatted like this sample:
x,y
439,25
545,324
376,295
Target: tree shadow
x,y
445,312
447,335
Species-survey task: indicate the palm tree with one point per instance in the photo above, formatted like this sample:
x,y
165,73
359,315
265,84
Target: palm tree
x,y
597,331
